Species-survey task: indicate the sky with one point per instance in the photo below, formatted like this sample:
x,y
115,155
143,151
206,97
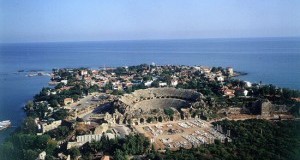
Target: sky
x,y
101,20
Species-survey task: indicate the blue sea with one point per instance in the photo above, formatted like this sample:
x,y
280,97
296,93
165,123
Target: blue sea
x,y
270,60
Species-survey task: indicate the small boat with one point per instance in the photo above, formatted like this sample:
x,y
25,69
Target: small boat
x,y
4,124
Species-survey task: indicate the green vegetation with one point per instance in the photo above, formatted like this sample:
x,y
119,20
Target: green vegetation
x,y
149,119
26,146
60,114
60,133
169,112
118,148
74,152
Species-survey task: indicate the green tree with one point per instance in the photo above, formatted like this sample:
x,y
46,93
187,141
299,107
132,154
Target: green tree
x,y
29,105
60,114
53,103
155,84
149,119
169,112
28,126
59,85
41,110
74,152
119,155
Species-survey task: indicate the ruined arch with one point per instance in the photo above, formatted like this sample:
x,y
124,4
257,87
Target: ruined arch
x,y
142,120
160,119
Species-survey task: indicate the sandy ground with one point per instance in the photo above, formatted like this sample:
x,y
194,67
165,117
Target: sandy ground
x,y
173,137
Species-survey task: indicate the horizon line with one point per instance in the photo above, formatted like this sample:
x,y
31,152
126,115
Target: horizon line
x,y
150,39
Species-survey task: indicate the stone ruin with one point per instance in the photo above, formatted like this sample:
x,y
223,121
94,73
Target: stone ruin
x,y
148,105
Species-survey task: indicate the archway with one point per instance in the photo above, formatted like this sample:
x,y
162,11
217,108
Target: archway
x,y
182,116
118,121
160,119
142,120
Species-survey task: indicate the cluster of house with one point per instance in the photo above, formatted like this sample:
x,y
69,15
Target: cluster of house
x,y
109,79
179,74
231,91
167,76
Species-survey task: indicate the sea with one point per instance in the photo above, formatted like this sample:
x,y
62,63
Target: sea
x,y
270,60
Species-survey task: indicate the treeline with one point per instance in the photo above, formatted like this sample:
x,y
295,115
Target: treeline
x,y
27,147
119,148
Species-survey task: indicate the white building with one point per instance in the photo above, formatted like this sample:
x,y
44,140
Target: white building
x,y
248,84
90,137
162,84
148,83
220,78
42,156
64,82
245,93
197,68
83,72
230,71
174,83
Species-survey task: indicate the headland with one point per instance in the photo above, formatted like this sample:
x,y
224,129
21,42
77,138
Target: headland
x,y
151,110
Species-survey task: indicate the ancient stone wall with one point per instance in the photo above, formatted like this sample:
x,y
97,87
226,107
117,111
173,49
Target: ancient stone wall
x,y
147,106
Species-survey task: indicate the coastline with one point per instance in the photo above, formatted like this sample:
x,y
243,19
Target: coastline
x,y
239,73
80,93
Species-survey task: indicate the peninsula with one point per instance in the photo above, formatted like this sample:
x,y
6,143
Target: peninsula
x,y
157,112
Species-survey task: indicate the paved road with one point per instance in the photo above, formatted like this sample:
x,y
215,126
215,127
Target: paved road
x,y
83,102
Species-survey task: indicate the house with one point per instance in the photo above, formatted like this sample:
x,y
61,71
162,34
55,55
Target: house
x,y
230,71
42,156
245,92
65,82
205,70
148,83
64,157
68,101
64,88
117,86
105,157
248,84
53,92
241,92
83,72
95,72
137,81
174,83
220,78
228,92
296,99
198,68
219,73
162,84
